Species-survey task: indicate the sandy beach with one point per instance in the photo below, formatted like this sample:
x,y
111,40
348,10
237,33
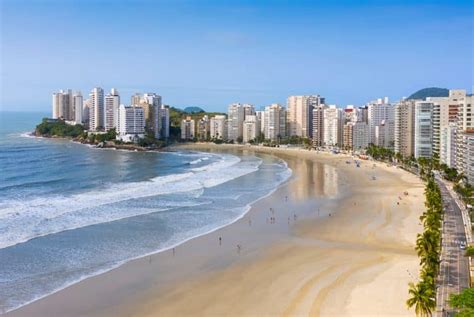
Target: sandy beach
x,y
340,244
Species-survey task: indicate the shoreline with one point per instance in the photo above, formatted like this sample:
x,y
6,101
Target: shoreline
x,y
49,303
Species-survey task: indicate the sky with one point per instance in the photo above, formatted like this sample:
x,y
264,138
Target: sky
x,y
213,53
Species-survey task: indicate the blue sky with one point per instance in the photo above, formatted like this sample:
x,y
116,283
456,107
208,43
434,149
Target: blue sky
x,y
212,53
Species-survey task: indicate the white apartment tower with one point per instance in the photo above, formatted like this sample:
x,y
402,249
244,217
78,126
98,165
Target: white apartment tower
x,y
464,134
251,128
236,116
360,135
447,153
318,125
274,120
445,111
405,128
203,128
382,115
131,123
96,112
218,127
112,104
63,105
188,130
249,110
333,126
77,103
300,114
423,129
468,168
261,117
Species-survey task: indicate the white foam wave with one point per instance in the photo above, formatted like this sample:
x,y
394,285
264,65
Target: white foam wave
x,y
22,220
178,240
195,162
25,135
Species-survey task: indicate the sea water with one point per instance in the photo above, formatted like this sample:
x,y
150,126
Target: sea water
x,y
70,211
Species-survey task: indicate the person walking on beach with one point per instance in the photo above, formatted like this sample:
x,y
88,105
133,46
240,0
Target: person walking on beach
x,y
174,251
220,240
238,248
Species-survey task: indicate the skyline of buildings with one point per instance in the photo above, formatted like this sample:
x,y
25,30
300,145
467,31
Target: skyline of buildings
x,y
435,127
100,113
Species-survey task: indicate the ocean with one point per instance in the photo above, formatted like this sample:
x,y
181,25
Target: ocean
x,y
70,211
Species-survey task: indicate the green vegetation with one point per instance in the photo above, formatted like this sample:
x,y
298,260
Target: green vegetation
x,y
430,92
465,191
149,141
58,128
94,138
428,248
380,153
449,173
422,298
464,302
470,251
177,115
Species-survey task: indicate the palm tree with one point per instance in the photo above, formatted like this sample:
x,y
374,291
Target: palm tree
x,y
423,298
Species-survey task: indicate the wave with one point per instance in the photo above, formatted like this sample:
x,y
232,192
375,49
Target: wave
x,y
25,219
239,212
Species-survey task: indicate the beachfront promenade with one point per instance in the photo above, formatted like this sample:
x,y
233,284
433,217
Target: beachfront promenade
x,y
454,266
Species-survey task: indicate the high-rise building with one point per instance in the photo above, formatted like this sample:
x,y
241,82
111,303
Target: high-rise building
x,y
131,123
112,104
468,168
347,140
464,131
300,114
381,115
218,127
96,112
333,126
77,104
448,145
188,131
444,111
162,123
135,99
251,128
274,121
86,109
360,135
350,114
235,119
384,134
62,105
405,128
318,125
154,112
249,110
423,129
363,114
203,128
261,117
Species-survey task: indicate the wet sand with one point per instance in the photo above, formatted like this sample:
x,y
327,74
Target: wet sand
x,y
340,245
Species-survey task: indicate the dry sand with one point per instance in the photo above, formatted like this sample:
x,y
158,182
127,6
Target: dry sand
x,y
357,261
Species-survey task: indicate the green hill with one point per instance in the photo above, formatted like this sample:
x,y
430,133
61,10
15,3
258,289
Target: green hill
x,y
430,92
